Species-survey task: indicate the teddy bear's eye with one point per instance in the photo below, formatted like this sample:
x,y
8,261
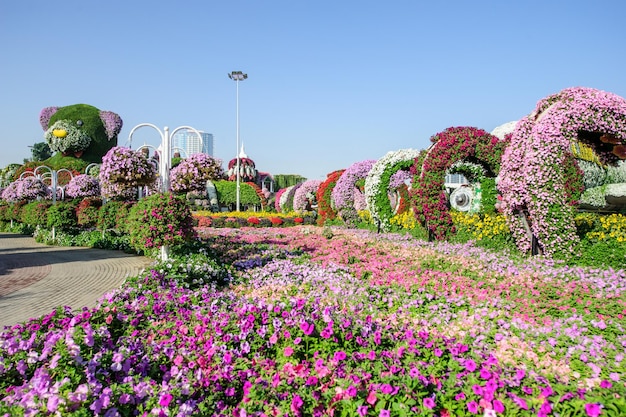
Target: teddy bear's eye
x,y
79,122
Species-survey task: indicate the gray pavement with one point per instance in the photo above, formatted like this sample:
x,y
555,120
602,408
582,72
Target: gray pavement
x,y
36,278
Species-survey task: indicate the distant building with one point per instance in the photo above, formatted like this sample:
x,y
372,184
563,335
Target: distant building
x,y
187,143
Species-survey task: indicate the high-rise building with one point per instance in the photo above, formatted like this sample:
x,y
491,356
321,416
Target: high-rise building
x,y
187,143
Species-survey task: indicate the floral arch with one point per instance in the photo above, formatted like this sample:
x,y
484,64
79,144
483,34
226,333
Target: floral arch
x,y
325,207
378,181
454,144
536,176
346,191
304,197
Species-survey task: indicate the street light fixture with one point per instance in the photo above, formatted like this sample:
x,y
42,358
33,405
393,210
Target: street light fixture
x,y
237,76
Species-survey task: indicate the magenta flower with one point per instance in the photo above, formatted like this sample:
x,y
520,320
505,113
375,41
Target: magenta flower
x,y
307,328
472,406
593,409
296,404
429,403
165,399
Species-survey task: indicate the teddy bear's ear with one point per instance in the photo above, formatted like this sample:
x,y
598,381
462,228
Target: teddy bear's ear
x,y
45,115
112,123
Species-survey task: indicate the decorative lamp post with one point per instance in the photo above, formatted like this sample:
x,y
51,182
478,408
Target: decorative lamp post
x,y
238,76
165,160
165,150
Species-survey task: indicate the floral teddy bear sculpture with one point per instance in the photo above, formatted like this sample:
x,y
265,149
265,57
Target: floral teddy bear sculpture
x,y
80,130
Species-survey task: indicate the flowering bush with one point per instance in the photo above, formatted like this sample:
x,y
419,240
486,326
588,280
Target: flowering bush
x,y
35,213
344,193
533,178
304,197
87,211
123,170
454,144
377,184
9,193
31,188
193,173
82,186
326,211
159,220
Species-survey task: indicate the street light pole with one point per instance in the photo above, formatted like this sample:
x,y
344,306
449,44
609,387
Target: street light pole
x,y
237,76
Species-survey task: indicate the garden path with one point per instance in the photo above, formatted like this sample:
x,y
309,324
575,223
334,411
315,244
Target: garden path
x,y
36,278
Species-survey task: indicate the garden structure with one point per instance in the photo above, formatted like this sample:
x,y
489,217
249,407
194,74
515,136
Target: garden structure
x,y
541,182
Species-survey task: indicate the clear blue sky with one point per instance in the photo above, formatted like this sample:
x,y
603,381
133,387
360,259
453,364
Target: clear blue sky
x,y
330,82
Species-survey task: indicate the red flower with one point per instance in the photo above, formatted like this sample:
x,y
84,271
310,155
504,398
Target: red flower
x,y
276,221
298,220
253,220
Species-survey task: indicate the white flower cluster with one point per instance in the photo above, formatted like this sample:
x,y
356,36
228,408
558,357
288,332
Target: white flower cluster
x,y
377,184
284,197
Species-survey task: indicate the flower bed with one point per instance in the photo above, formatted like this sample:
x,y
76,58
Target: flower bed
x,y
364,324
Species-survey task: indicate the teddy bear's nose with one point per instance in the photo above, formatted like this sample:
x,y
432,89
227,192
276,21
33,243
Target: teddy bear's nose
x,y
59,133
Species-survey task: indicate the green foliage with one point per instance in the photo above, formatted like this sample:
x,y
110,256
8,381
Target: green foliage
x,y
87,211
489,195
159,220
62,216
227,193
40,151
287,180
35,213
113,216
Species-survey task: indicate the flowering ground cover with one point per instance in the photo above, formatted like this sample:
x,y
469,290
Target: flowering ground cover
x,y
303,322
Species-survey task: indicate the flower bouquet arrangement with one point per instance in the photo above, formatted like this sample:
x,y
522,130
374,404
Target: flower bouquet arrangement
x,y
193,173
82,186
123,170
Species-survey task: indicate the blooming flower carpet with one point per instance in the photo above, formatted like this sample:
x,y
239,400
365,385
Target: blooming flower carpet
x,y
291,321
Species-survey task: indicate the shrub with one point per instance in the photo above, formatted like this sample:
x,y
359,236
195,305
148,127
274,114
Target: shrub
x,y
159,220
113,215
35,213
62,216
87,212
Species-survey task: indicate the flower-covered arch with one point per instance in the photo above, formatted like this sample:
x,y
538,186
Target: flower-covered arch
x,y
305,196
534,180
454,144
345,192
378,180
324,200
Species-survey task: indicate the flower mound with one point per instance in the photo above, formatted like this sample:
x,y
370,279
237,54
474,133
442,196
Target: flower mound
x,y
449,147
533,175
159,220
123,170
378,181
83,185
345,193
193,173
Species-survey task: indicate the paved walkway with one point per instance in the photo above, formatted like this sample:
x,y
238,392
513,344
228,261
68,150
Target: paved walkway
x,y
35,278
